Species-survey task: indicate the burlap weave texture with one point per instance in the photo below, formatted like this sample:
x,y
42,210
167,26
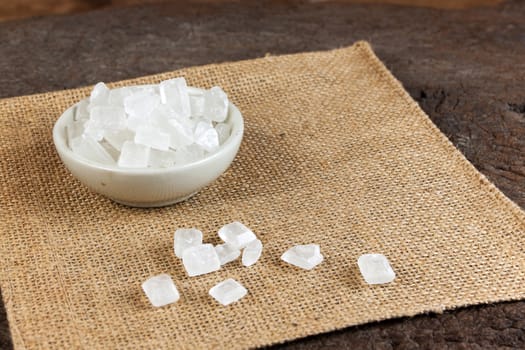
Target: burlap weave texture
x,y
335,153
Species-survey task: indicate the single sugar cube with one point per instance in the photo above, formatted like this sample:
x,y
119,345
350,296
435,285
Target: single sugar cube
x,y
162,159
161,290
133,155
174,93
116,96
108,118
237,235
152,137
99,95
197,105
206,136
252,253
185,238
181,134
305,256
215,104
117,138
224,131
375,269
141,103
227,253
93,131
90,149
228,291
200,259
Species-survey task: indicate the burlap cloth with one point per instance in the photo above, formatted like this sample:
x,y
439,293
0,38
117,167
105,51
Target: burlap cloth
x,y
335,153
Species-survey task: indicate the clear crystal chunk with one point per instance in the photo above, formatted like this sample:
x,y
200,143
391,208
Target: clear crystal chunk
x,y
74,130
133,155
197,105
215,104
375,269
93,131
152,137
227,253
161,290
174,93
81,110
99,95
228,291
117,138
223,131
252,253
206,136
107,118
200,259
236,234
116,96
90,149
304,256
185,238
141,103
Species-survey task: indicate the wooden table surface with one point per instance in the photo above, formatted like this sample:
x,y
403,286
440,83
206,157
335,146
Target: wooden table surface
x,y
466,68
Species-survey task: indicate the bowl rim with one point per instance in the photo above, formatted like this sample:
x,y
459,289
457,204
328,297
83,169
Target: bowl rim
x,y
229,145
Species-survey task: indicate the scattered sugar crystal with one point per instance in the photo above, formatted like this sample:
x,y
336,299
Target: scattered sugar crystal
x,y
141,103
189,154
227,253
174,92
237,235
117,138
133,155
152,137
228,291
206,136
304,256
223,130
99,95
161,290
197,105
90,149
185,238
375,269
215,104
162,159
252,253
200,259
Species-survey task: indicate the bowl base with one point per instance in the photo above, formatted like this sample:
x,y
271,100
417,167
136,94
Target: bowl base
x,y
154,204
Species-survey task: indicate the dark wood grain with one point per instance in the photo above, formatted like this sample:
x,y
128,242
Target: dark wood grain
x,y
31,8
466,69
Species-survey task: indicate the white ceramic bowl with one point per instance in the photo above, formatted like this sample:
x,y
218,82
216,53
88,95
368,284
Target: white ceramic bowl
x,y
149,187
